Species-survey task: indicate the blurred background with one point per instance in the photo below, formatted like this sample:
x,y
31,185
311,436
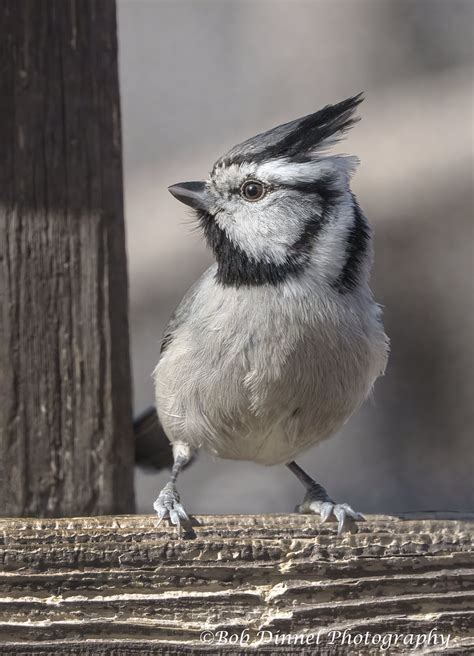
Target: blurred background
x,y
198,77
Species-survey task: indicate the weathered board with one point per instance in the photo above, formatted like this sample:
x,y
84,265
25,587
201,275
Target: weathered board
x,y
66,439
276,584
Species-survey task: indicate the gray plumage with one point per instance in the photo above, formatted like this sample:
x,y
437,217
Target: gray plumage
x,y
258,374
280,341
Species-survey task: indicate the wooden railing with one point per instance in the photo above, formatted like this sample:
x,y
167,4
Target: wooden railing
x,y
276,584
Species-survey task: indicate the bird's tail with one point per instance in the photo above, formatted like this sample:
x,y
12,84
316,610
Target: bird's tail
x,y
152,448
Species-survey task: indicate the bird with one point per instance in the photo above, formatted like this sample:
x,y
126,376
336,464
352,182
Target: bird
x,y
280,340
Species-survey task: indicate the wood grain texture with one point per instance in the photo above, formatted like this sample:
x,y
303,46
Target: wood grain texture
x,y
124,585
65,412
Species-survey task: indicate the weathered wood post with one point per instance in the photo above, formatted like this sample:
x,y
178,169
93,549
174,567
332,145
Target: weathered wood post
x,y
65,413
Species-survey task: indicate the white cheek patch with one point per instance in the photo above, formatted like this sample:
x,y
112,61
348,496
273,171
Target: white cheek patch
x,y
263,232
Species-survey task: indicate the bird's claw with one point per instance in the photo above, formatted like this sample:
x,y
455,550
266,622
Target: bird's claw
x,y
168,506
318,502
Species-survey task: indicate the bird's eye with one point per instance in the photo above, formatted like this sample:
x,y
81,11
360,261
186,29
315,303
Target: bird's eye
x,y
252,190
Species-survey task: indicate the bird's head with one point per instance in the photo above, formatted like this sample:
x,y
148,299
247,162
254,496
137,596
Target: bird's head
x,y
270,200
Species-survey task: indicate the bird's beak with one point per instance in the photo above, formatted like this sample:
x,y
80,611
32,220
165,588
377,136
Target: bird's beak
x,y
193,194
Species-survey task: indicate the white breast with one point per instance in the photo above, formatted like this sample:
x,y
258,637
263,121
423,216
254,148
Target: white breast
x,y
263,373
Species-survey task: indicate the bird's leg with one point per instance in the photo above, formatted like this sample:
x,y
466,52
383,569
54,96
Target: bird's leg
x,y
168,503
319,502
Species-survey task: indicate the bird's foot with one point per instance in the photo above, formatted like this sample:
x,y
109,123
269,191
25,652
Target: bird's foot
x,y
168,506
317,501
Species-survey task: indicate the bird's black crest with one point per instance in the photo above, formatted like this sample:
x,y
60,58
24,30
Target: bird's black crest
x,y
297,139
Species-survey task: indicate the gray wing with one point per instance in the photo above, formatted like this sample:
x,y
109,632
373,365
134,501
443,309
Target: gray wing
x,y
152,448
183,310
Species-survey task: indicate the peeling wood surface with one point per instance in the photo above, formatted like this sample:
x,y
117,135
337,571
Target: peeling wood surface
x,y
124,585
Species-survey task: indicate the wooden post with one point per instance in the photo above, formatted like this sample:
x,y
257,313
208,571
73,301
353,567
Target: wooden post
x,y
276,584
65,412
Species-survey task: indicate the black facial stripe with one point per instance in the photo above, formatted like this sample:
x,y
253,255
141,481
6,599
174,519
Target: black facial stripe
x,y
236,268
324,187
356,248
312,229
